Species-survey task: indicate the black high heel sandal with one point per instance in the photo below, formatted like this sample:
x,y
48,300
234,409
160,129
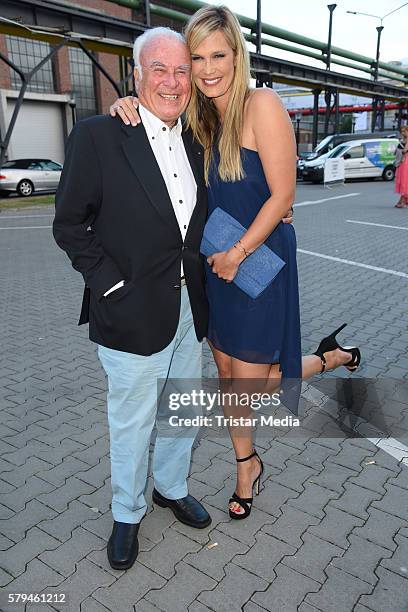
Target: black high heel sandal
x,y
330,344
246,502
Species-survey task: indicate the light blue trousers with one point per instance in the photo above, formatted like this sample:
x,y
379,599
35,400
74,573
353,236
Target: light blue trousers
x,y
132,407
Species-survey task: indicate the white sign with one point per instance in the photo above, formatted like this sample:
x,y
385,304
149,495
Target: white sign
x,y
334,170
361,123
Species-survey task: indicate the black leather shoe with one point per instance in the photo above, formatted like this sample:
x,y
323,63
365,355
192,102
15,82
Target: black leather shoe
x,y
187,510
123,545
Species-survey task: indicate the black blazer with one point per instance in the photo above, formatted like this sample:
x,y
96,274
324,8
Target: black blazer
x,y
115,220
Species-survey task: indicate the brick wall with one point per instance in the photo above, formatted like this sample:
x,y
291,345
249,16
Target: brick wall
x,y
5,79
61,71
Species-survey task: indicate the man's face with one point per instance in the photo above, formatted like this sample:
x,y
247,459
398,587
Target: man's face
x,y
165,84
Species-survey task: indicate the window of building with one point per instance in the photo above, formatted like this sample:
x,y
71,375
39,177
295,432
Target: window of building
x,y
83,83
27,54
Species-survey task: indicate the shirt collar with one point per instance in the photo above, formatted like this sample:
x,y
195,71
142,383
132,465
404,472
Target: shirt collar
x,y
154,126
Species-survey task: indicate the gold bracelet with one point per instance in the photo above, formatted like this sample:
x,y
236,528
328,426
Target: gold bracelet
x,y
241,248
245,251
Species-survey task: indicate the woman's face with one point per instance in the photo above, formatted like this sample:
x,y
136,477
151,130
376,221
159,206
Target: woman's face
x,y
213,66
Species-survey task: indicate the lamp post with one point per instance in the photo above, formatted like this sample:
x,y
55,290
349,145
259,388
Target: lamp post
x,y
331,8
298,117
377,57
379,30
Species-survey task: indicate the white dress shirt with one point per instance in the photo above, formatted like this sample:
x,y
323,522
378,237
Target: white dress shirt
x,y
168,148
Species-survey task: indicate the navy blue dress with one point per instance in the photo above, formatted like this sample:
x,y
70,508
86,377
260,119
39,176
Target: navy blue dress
x,y
265,329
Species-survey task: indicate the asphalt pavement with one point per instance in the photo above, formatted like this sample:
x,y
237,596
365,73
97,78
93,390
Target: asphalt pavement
x,y
328,532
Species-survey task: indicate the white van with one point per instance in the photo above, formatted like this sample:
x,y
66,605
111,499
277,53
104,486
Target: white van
x,y
362,159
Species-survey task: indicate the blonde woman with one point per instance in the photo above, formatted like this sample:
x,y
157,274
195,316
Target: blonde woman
x,y
249,164
401,174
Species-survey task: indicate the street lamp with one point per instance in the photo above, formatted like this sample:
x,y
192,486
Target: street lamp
x,y
298,117
379,30
331,8
377,57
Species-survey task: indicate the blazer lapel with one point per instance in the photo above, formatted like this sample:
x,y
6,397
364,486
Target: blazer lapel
x,y
141,158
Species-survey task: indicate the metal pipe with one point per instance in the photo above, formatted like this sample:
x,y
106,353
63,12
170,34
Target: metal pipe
x,y
247,22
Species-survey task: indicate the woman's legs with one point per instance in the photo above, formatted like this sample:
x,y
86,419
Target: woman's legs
x,y
235,376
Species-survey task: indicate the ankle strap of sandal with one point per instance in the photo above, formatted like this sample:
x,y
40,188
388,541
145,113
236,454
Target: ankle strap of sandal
x,y
324,362
246,458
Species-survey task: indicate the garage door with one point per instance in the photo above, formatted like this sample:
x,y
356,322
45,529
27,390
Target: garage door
x,y
38,131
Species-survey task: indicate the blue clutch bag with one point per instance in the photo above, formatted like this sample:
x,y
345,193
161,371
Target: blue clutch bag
x,y
258,270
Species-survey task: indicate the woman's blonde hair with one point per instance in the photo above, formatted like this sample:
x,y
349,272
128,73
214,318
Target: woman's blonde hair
x,y
202,115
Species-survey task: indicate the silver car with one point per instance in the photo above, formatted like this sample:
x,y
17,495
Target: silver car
x,y
26,176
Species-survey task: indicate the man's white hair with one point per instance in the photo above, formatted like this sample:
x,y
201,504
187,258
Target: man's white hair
x,y
147,37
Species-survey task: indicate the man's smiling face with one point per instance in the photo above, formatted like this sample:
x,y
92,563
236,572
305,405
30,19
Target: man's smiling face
x,y
164,87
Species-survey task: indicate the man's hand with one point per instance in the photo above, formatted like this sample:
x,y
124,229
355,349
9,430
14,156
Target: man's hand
x,y
288,218
126,108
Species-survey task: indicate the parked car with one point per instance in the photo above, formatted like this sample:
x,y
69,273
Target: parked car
x,y
26,176
362,159
331,141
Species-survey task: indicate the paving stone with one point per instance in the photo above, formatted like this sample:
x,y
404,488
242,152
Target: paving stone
x,y
233,591
351,456
339,593
65,558
394,502
373,477
97,475
333,477
5,577
102,525
313,557
361,559
163,557
390,593
91,605
398,563
262,558
58,474
100,498
86,580
18,498
336,527
60,497
246,534
35,579
205,452
314,455
294,475
251,607
278,454
211,561
20,475
313,500
33,513
215,474
356,500
35,541
380,528
202,536
290,526
273,497
62,525
287,591
179,592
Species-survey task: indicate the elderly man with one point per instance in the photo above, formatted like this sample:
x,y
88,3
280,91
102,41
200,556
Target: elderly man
x,y
130,212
